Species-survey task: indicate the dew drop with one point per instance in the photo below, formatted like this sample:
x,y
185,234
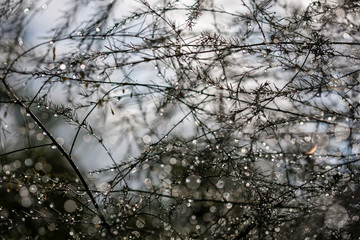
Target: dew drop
x,y
193,182
28,162
172,161
220,184
62,66
146,139
70,206
229,205
33,188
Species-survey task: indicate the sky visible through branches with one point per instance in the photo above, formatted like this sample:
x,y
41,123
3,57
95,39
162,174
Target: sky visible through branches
x,y
179,119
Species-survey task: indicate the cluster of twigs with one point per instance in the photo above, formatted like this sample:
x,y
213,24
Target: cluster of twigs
x,y
246,130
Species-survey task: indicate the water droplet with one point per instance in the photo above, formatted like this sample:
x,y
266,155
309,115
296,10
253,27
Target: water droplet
x,y
26,202
226,195
172,161
28,162
23,192
321,140
62,66
33,188
39,137
20,41
342,132
146,139
70,206
307,138
193,182
220,184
